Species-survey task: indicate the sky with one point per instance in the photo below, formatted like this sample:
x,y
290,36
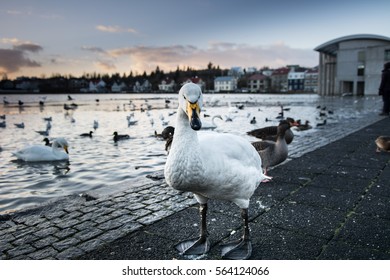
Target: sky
x,y
44,37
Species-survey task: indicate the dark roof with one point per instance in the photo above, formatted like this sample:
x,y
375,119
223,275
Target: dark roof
x,y
332,46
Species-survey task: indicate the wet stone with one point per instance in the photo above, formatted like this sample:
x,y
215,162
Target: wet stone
x,y
43,254
65,233
44,242
135,206
21,250
66,243
70,253
90,245
85,225
46,231
88,233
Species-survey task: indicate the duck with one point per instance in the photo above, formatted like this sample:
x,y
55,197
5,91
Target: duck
x,y
211,165
118,137
253,120
273,153
5,101
47,142
166,133
87,134
19,125
270,132
383,143
38,153
212,125
302,127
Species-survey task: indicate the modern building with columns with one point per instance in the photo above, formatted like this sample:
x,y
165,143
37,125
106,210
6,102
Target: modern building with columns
x,y
352,64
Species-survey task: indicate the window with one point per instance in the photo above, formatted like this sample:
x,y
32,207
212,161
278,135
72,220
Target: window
x,y
387,55
360,70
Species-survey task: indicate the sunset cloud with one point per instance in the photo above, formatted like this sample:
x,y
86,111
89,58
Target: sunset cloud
x,y
11,60
115,29
224,54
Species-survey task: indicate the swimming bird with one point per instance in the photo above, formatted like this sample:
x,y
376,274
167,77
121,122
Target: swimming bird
x,y
43,132
118,137
47,142
2,117
212,125
48,119
3,124
383,143
5,101
36,153
19,125
166,133
95,124
212,166
273,153
253,120
20,102
87,134
270,132
305,126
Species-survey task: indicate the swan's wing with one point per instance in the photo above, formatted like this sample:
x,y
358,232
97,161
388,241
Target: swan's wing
x,y
34,153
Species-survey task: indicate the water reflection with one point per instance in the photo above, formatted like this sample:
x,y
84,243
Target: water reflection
x,y
56,168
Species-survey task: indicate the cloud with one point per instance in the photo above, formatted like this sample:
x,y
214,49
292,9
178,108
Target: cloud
x,y
105,65
11,60
224,54
15,58
115,29
28,47
93,49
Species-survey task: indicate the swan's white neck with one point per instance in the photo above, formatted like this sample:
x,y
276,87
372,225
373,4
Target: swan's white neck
x,y
184,167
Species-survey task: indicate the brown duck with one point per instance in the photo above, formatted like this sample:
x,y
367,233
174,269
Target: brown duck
x,y
383,143
273,153
270,132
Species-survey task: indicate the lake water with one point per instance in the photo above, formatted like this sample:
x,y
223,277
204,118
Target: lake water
x,y
98,165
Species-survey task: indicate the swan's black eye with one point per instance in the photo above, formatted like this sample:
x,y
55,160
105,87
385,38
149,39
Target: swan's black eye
x,y
184,97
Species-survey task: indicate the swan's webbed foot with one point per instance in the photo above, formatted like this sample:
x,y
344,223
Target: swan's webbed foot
x,y
237,250
194,246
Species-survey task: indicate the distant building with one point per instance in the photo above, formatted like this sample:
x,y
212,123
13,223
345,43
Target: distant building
x,y
311,80
279,79
143,86
258,83
167,85
196,80
225,84
118,87
296,81
352,64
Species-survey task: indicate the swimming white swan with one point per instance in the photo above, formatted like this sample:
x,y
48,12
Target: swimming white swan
x,y
34,153
212,125
211,165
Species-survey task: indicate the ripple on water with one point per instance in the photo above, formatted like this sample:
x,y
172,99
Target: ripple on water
x,y
99,165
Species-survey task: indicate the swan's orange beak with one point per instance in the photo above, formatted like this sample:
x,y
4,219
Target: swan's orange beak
x,y
193,112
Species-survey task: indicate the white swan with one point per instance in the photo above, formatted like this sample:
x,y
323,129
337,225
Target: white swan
x,y
211,165
212,125
34,153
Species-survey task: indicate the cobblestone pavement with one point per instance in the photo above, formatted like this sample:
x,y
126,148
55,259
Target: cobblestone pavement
x,y
74,226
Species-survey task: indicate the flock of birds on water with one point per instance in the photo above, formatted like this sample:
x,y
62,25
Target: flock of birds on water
x,y
211,165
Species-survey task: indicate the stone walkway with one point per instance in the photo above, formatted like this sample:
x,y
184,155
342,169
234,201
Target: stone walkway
x,y
75,226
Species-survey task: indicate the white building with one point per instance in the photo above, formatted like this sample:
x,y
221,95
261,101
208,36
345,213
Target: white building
x,y
167,85
225,84
352,64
